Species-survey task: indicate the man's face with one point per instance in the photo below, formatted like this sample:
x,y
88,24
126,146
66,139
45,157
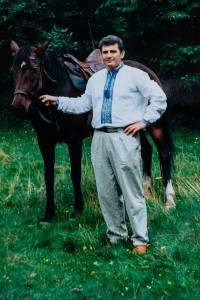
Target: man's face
x,y
111,56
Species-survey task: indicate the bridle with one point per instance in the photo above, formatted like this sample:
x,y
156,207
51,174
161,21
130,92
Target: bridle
x,y
34,97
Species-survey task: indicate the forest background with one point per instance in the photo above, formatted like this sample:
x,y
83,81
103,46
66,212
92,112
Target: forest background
x,y
164,35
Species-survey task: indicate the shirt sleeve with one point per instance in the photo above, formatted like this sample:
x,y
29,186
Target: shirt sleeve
x,y
155,95
77,105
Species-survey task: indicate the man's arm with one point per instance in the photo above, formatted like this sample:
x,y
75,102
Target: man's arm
x,y
157,98
71,105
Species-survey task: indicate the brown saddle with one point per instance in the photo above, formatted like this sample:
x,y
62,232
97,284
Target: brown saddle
x,y
81,71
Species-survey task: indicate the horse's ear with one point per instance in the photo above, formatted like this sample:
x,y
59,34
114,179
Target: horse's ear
x,y
13,46
40,50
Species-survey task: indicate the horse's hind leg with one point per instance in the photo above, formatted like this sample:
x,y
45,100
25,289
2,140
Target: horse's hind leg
x,y
75,152
48,153
146,153
156,133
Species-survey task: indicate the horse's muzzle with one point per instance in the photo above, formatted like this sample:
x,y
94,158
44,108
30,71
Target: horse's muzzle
x,y
20,110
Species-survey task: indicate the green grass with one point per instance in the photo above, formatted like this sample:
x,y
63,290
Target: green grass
x,y
67,260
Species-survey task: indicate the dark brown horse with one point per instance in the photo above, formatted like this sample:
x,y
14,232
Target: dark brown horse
x,y
37,72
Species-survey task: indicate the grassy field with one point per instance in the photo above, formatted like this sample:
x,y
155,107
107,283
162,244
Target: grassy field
x,y
67,260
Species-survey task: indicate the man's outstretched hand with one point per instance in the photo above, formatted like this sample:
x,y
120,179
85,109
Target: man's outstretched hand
x,y
47,100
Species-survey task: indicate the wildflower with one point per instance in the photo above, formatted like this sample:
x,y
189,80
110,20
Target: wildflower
x,y
66,211
169,282
91,248
4,276
84,248
149,287
95,263
46,260
122,294
93,272
160,274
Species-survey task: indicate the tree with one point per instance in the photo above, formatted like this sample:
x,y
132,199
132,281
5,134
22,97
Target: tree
x,y
164,35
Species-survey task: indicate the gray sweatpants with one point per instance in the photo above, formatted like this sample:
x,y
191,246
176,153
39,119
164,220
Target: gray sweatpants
x,y
116,159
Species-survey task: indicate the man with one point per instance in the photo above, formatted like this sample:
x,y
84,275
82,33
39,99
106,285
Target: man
x,y
119,97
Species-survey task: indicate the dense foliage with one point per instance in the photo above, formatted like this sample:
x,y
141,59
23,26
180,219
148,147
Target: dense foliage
x,y
164,35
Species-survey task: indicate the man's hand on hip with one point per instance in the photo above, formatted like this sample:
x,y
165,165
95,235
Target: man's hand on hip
x,y
134,127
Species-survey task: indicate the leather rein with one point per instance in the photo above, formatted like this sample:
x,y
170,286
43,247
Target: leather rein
x,y
33,97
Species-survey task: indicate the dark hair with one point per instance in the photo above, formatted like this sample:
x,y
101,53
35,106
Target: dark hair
x,y
111,40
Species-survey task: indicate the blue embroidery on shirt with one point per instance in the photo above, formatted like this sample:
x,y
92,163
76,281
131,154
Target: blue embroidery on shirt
x,y
106,116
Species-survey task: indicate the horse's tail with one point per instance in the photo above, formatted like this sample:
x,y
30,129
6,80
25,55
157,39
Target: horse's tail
x,y
169,144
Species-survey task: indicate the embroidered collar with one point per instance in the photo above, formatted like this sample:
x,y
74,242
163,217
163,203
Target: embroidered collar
x,y
117,69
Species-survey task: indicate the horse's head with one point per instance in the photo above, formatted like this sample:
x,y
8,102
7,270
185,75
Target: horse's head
x,y
27,68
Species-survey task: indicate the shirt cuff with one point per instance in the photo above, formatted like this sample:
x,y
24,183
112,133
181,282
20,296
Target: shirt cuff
x,y
57,102
146,122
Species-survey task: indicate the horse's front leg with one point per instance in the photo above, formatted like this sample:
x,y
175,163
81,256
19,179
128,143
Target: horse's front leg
x,y
156,132
47,149
75,152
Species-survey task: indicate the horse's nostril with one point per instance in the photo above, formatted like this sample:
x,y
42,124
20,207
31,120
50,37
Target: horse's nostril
x,y
22,107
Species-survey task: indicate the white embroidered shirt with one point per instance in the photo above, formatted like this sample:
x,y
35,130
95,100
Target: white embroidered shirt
x,y
131,92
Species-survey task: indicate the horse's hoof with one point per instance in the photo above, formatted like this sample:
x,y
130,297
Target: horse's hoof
x,y
170,205
74,215
147,183
47,218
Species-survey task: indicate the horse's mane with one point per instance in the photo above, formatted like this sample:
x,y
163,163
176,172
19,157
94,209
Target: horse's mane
x,y
53,66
